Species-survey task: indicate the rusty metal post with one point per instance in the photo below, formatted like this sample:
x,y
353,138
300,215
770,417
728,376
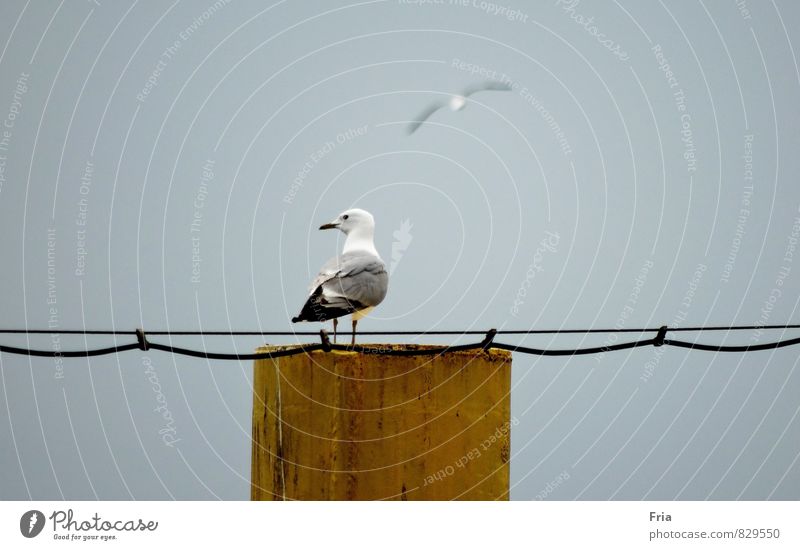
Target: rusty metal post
x,y
342,425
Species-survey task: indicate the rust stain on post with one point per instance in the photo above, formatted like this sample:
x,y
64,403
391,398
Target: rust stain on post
x,y
362,426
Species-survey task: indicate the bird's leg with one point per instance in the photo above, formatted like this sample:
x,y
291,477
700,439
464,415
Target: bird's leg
x,y
353,342
335,322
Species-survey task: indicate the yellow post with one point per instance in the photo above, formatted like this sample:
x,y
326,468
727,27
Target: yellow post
x,y
362,426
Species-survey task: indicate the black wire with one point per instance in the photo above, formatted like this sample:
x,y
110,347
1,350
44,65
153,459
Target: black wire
x,y
233,356
735,349
582,351
78,353
395,332
487,343
59,331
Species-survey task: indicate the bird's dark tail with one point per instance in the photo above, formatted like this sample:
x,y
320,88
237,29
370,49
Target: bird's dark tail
x,y
296,319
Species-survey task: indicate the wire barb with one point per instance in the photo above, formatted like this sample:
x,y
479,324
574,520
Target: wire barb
x,y
488,339
658,341
326,342
144,345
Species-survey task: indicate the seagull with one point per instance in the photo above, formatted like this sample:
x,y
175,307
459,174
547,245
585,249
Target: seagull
x,y
353,283
458,101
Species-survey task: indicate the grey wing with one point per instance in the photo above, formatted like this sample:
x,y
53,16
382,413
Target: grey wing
x,y
330,269
489,85
425,115
362,281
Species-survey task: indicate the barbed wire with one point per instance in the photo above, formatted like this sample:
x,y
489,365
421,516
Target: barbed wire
x,y
143,344
393,332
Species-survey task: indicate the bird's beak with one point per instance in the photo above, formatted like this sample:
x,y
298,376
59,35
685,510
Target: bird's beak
x,y
332,225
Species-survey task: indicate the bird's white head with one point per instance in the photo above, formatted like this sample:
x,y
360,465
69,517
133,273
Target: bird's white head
x,y
359,226
351,220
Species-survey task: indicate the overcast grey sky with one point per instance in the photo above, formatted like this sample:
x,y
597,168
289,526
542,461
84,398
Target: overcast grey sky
x,y
167,165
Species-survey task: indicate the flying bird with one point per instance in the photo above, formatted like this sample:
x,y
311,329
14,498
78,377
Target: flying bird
x,y
352,283
458,101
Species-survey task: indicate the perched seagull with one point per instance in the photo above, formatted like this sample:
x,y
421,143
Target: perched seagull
x,y
354,282
458,101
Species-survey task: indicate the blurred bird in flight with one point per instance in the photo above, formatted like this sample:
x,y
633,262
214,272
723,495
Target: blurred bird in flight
x,y
458,101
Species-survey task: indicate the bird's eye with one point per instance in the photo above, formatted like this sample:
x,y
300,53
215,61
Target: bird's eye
x,y
345,217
